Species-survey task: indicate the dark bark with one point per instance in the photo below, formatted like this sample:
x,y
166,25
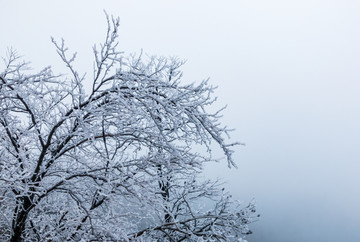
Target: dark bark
x,y
21,212
164,186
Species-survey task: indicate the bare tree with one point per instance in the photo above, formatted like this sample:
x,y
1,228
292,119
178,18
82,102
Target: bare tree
x,y
114,158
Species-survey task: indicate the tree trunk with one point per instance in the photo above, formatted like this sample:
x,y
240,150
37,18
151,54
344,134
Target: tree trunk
x,y
164,186
21,212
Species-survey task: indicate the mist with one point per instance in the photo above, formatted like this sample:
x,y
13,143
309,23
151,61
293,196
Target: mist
x,y
288,71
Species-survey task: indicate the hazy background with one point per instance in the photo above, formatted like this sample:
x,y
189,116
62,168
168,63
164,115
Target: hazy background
x,y
288,70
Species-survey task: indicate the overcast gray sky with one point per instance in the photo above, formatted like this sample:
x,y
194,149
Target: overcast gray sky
x,y
288,70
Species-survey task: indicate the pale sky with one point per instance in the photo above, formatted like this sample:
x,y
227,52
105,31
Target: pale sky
x,y
288,70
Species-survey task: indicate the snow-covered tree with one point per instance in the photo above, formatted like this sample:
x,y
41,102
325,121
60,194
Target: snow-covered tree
x,y
114,158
